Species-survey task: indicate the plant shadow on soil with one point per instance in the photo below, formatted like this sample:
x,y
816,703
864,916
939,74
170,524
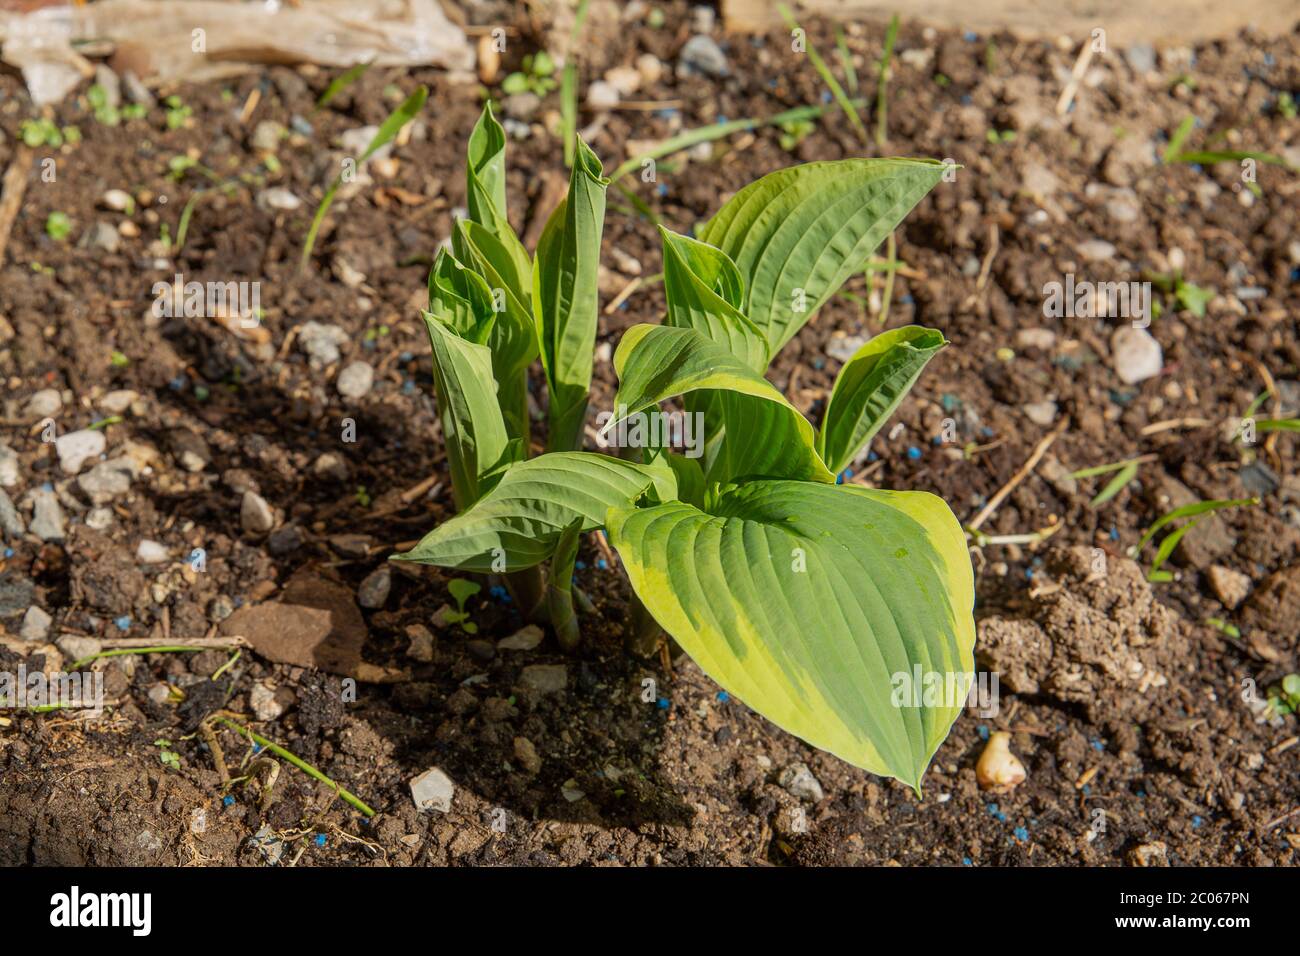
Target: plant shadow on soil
x,y
598,735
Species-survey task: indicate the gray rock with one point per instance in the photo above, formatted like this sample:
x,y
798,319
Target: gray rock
x,y
799,782
76,448
278,199
542,679
524,639
356,379
1141,57
47,514
118,401
43,404
1097,250
1135,355
99,519
255,515
107,481
190,449
373,592
320,343
101,237
433,790
1211,540
36,624
330,465
1041,413
267,136
1229,586
75,647
285,541
10,467
10,520
703,55
16,594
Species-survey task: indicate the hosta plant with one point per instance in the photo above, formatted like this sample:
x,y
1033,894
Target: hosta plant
x,y
807,599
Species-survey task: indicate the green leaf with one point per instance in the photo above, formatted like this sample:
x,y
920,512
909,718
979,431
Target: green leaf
x,y
472,426
869,389
705,292
807,601
388,130
485,169
514,338
810,228
559,586
565,300
516,525
657,362
461,299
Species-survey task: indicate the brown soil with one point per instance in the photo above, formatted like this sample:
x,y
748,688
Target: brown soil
x,y
1119,694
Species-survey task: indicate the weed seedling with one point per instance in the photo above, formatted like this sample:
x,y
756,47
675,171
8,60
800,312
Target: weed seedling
x,y
461,590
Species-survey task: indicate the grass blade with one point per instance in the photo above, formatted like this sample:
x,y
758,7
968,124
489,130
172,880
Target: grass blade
x,y
1115,485
707,134
882,83
388,131
828,78
343,81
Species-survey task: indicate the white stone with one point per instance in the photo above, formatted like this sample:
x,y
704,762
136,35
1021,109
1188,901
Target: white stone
x,y
76,448
43,404
151,552
1135,355
255,515
602,96
799,781
261,698
118,401
355,380
36,624
433,790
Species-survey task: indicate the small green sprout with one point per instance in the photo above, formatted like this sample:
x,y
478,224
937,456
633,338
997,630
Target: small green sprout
x,y
43,132
1226,628
537,76
363,496
58,226
461,590
1286,105
177,112
170,758
1285,697
794,132
1197,512
104,111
